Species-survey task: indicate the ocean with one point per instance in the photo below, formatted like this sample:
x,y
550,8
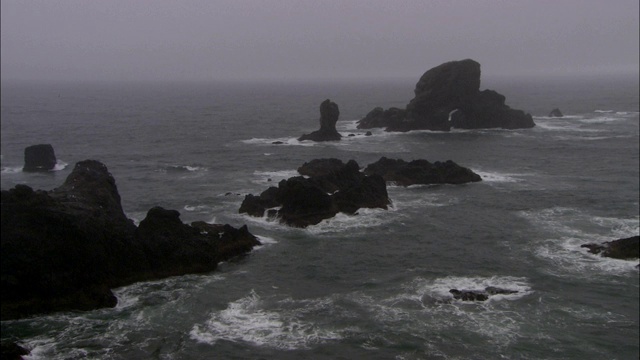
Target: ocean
x,y
374,285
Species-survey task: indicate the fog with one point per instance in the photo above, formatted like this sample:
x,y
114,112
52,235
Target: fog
x,y
119,40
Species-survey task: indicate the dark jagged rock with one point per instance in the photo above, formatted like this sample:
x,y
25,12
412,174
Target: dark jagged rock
x,y
626,249
12,351
331,187
66,248
329,114
39,158
480,295
556,113
421,172
449,96
379,117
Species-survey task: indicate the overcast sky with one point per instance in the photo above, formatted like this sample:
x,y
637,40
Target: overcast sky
x,y
296,39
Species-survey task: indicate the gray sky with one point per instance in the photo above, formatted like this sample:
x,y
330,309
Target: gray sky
x,y
297,40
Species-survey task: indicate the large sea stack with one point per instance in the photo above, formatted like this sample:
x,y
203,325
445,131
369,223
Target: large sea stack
x,y
39,158
448,96
329,114
66,248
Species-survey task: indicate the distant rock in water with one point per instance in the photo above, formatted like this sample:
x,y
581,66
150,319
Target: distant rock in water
x,y
626,249
66,248
449,96
329,114
479,295
421,172
332,187
556,113
39,158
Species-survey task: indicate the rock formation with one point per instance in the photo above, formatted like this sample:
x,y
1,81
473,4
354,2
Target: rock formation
x,y
421,172
556,113
39,158
449,96
626,249
329,114
332,187
66,248
479,295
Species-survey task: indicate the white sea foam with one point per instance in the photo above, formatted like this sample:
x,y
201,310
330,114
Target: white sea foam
x,y
274,177
439,288
498,177
12,170
60,165
192,208
250,320
279,142
574,228
604,111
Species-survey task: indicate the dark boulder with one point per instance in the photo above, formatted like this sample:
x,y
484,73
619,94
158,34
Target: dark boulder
x,y
556,113
421,172
480,295
12,351
449,96
39,158
331,186
379,117
626,249
329,114
66,248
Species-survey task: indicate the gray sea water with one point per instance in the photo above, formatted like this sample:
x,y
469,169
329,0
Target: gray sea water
x,y
370,286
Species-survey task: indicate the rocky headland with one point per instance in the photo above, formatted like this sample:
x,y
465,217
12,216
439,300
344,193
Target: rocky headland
x,y
448,96
65,249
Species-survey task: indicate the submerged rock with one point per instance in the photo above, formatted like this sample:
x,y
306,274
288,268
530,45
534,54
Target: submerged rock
x,y
421,172
39,158
329,114
449,96
556,113
626,249
66,248
480,295
331,187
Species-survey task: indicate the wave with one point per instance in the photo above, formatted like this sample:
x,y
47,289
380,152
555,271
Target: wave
x,y
249,320
573,228
438,289
59,166
274,177
498,177
183,168
279,142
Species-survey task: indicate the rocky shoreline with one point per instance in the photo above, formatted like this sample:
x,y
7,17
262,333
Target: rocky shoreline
x,y
65,249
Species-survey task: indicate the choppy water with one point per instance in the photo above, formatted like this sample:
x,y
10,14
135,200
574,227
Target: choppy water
x,y
371,286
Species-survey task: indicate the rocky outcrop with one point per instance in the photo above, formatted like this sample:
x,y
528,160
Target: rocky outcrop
x,y
421,172
556,113
626,249
331,187
10,350
480,295
66,248
39,158
379,117
329,114
449,96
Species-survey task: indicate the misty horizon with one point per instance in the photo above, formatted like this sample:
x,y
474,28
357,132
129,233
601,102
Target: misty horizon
x,y
293,41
